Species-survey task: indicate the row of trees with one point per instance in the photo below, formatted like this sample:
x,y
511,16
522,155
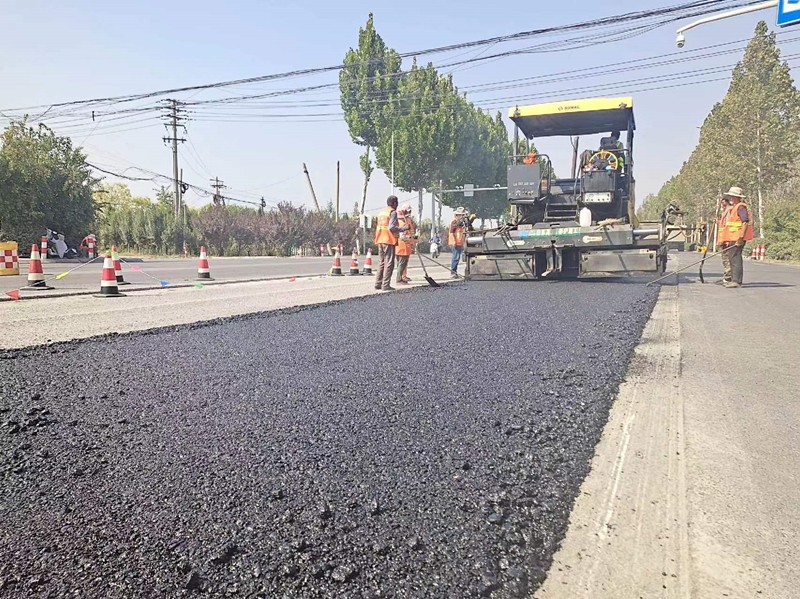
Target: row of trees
x,y
750,139
438,136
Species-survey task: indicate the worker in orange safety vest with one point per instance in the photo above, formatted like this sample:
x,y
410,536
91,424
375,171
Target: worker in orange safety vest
x,y
405,244
386,238
722,238
738,231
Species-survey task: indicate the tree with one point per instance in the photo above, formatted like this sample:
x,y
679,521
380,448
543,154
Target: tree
x,y
44,182
423,122
750,139
368,80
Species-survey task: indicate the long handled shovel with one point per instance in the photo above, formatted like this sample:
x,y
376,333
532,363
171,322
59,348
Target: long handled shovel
x,y
674,272
428,278
443,266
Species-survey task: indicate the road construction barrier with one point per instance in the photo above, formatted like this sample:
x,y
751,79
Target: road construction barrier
x,y
354,270
44,247
336,269
758,251
203,272
9,254
108,280
117,266
35,272
9,258
368,262
91,249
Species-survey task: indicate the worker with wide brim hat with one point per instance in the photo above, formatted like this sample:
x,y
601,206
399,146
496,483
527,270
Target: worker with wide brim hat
x,y
738,230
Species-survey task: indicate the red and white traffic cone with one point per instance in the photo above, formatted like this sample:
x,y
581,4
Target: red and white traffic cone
x,y
35,272
44,247
117,267
354,270
90,249
108,280
321,249
203,272
368,262
336,269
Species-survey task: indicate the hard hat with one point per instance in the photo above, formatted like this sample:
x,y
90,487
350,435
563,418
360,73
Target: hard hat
x,y
460,210
406,208
734,192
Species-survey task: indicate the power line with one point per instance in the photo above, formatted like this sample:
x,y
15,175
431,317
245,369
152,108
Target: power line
x,y
666,14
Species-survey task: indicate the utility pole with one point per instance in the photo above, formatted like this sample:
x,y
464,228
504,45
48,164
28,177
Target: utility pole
x,y
392,162
337,191
174,118
218,185
311,187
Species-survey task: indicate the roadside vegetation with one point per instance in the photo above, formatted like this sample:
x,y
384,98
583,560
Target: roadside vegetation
x,y
750,139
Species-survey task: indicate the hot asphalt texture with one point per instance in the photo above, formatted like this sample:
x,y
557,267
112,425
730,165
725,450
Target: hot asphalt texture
x,y
422,444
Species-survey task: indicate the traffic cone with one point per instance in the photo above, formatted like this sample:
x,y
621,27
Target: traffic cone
x,y
354,271
35,272
368,262
108,280
203,272
336,269
117,266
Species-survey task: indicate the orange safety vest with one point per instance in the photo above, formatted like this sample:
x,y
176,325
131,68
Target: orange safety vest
x,y
382,233
722,231
405,247
456,238
734,224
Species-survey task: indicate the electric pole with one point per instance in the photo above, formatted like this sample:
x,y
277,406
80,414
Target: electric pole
x,y
218,185
174,118
337,191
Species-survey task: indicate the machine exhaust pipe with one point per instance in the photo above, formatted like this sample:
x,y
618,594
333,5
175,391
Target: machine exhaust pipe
x,y
645,232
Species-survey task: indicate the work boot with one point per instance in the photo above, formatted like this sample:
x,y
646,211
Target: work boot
x,y
390,288
722,281
731,284
402,283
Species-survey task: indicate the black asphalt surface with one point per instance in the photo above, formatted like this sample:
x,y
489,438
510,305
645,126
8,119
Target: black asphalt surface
x,y
419,444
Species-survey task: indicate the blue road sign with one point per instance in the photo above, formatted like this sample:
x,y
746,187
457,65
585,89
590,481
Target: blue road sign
x,y
788,12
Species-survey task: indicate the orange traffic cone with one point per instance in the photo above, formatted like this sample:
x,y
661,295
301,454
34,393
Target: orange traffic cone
x,y
336,269
368,262
108,280
117,266
35,272
203,272
354,271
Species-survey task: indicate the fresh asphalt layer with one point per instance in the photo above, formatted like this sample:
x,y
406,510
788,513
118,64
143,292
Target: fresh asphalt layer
x,y
421,444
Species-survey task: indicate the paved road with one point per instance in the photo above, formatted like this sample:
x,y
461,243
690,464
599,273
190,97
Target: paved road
x,y
694,487
419,444
179,271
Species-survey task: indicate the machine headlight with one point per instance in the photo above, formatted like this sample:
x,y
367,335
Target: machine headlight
x,y
598,197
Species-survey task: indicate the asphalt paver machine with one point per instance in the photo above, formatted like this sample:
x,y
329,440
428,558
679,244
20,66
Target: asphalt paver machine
x,y
580,226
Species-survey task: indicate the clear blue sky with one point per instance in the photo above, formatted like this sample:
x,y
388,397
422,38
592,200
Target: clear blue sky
x,y
52,52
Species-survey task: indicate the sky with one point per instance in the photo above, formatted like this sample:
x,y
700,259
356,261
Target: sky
x,y
54,52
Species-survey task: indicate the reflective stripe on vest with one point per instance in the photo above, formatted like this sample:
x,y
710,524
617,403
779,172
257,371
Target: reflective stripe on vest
x,y
734,224
382,233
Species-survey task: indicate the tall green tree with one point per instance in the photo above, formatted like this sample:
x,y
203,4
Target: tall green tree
x,y
422,119
367,83
44,182
750,139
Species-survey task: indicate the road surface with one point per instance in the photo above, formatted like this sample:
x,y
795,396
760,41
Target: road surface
x,y
404,444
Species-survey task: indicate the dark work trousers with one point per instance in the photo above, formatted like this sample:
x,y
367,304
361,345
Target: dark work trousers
x,y
737,264
726,264
383,278
402,265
